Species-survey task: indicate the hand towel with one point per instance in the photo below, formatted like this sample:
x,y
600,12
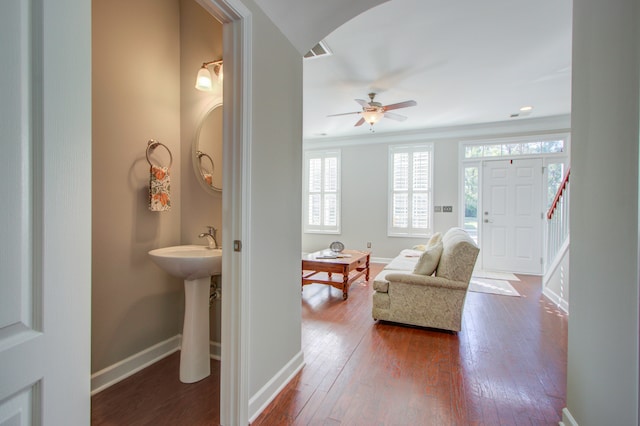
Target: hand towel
x,y
159,187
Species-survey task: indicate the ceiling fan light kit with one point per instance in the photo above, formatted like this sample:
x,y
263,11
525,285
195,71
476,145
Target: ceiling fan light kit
x,y
373,111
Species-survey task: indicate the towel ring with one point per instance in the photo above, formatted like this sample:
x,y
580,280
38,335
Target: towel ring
x,y
201,154
153,144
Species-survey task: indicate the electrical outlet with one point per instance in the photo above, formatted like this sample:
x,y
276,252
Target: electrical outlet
x,y
437,209
369,245
447,209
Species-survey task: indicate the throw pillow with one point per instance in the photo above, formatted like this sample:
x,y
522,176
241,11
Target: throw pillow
x,y
435,239
428,261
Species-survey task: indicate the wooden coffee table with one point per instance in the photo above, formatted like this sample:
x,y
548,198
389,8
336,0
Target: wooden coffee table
x,y
319,267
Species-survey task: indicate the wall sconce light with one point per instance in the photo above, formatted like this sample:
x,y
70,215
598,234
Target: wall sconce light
x,y
204,79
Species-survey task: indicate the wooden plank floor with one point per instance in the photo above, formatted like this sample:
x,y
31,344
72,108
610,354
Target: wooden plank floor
x,y
155,396
506,367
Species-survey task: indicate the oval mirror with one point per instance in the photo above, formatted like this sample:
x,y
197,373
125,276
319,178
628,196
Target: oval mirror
x,y
207,150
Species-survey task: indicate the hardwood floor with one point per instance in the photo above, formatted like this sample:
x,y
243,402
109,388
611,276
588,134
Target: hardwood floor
x,y
506,367
155,396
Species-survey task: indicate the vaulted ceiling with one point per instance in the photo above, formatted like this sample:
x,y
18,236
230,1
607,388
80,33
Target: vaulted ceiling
x,y
463,62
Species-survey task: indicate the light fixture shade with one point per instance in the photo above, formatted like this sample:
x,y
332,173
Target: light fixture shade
x,y
203,80
372,117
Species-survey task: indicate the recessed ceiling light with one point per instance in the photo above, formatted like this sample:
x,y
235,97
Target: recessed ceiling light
x,y
526,109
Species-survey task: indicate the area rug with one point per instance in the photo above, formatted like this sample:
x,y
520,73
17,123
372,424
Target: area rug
x,y
488,285
495,275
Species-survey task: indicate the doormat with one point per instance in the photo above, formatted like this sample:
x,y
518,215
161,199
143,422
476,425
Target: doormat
x,y
488,285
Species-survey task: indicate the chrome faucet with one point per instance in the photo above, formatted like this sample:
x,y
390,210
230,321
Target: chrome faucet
x,y
211,237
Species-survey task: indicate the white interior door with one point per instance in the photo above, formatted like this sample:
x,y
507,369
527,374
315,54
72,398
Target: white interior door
x,y
511,217
45,219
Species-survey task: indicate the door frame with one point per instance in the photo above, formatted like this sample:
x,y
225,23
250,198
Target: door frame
x,y
234,365
547,158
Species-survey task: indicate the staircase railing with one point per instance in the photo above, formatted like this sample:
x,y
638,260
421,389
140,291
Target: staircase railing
x,y
558,219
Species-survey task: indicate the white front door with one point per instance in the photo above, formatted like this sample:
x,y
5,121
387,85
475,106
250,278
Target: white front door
x,y
45,219
511,216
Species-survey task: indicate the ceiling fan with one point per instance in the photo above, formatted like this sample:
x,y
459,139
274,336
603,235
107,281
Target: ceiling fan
x,y
373,111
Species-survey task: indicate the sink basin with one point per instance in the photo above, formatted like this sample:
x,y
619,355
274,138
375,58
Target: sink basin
x,y
188,262
195,265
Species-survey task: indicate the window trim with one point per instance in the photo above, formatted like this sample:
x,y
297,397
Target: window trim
x,y
410,232
321,229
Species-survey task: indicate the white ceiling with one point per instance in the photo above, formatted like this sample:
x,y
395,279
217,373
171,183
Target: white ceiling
x,y
463,62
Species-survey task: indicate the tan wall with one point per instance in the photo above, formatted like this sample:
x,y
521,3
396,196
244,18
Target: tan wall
x,y
137,95
200,41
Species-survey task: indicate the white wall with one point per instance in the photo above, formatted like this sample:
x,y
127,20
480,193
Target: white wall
x,y
273,247
365,181
602,379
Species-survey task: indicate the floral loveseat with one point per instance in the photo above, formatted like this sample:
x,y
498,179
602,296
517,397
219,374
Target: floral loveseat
x,y
427,287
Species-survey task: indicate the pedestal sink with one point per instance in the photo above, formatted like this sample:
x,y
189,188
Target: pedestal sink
x,y
195,265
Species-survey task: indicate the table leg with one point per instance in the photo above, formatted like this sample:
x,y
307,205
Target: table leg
x,y
345,283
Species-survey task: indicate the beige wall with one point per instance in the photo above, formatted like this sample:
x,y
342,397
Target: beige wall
x,y
138,94
200,41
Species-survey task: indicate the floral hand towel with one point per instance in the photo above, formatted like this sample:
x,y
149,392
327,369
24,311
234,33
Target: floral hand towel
x,y
159,186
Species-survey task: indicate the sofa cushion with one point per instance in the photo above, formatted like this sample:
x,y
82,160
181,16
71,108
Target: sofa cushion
x,y
428,261
405,261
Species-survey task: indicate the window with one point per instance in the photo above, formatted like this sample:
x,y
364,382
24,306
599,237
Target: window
x,y
470,183
410,190
514,148
321,196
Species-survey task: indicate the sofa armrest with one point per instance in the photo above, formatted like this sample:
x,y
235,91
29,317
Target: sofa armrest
x,y
427,280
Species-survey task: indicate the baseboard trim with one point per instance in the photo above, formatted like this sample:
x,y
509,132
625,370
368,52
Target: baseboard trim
x,y
560,302
214,350
262,398
119,371
567,418
385,260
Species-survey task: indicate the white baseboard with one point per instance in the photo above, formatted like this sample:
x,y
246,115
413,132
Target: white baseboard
x,y
567,418
556,299
214,350
262,398
127,367
119,371
385,260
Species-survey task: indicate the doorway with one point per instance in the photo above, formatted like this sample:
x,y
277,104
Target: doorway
x,y
506,186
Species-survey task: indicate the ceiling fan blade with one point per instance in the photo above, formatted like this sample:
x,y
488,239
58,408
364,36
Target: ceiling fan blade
x,y
404,104
360,122
362,102
394,116
344,113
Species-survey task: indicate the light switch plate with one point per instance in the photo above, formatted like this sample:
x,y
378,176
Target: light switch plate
x,y
447,209
437,209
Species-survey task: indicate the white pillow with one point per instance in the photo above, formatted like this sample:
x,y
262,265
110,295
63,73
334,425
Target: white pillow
x,y
435,239
428,261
